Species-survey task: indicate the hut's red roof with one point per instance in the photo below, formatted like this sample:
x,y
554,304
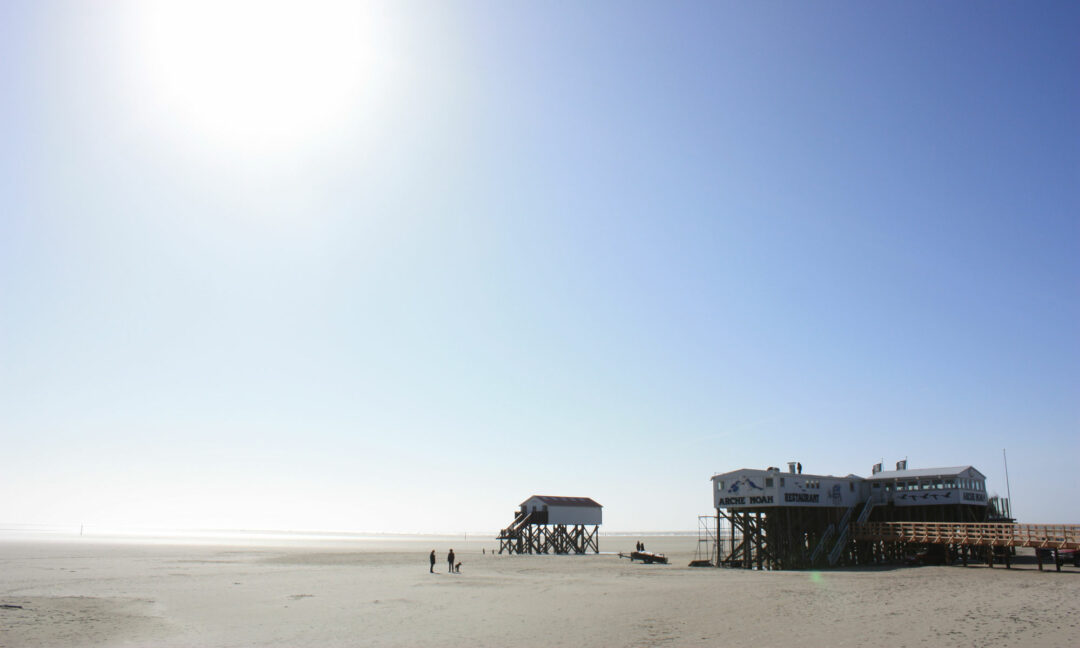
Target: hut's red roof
x,y
553,500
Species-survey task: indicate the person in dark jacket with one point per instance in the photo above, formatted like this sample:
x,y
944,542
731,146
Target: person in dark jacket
x,y
432,561
450,560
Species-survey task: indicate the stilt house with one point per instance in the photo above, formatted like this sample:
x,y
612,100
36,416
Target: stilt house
x,y
551,524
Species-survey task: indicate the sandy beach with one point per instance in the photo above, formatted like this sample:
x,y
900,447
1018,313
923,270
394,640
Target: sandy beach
x,y
94,592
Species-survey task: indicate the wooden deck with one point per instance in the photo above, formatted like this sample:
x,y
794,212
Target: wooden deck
x,y
1040,536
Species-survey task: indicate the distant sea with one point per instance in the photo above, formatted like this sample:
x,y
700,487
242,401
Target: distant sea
x,y
143,535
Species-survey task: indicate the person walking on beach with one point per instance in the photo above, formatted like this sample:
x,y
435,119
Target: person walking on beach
x,y
432,561
450,559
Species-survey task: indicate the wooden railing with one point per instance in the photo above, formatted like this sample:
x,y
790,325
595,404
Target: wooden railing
x,y
993,534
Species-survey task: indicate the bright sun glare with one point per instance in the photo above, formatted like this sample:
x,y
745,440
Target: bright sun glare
x,y
257,74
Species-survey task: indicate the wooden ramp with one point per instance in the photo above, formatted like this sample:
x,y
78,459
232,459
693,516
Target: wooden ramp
x,y
985,534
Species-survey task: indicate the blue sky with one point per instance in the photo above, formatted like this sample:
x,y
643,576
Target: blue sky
x,y
396,268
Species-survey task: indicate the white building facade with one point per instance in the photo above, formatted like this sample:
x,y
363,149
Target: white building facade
x,y
754,488
566,510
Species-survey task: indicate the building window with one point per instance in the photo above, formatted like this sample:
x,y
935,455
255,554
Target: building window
x,y
781,482
768,482
720,484
851,486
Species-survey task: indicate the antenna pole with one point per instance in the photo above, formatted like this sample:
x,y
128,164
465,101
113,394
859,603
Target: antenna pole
x,y
1008,491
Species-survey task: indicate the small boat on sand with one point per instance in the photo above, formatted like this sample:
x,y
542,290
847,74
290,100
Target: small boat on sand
x,y
646,557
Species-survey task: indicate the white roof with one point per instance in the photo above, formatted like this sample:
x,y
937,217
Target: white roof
x,y
951,471
779,473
